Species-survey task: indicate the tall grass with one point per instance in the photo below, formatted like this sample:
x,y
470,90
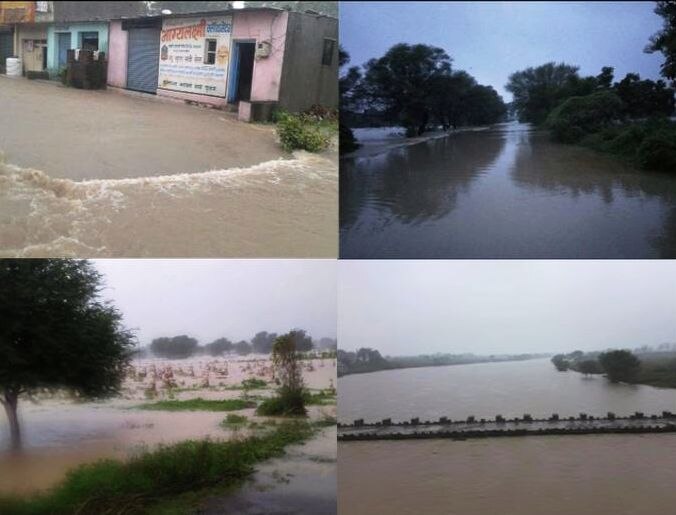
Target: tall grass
x,y
134,486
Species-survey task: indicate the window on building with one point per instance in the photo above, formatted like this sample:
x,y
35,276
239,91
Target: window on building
x,y
89,40
210,51
329,49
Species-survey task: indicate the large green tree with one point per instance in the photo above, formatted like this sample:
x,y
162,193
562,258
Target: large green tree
x,y
174,347
537,90
400,82
56,333
665,40
620,365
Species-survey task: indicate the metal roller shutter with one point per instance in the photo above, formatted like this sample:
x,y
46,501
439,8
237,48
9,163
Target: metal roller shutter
x,y
144,59
6,48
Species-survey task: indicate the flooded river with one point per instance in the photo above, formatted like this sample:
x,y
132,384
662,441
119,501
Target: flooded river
x,y
535,475
484,390
504,192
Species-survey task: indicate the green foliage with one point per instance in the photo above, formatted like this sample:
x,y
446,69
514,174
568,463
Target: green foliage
x,y
134,486
665,40
620,365
219,347
56,333
253,383
657,151
538,90
576,117
322,398
286,404
644,98
560,362
589,366
242,348
263,341
233,421
199,404
175,347
300,132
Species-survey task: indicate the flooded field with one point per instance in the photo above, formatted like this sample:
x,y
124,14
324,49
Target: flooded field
x,y
505,192
59,434
484,390
585,475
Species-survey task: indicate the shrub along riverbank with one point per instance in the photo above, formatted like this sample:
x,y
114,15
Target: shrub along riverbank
x,y
135,486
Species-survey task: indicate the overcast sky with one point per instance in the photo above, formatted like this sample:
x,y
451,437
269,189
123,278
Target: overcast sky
x,y
492,307
208,299
490,40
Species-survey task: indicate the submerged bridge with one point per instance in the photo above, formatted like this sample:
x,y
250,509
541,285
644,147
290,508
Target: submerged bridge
x,y
472,427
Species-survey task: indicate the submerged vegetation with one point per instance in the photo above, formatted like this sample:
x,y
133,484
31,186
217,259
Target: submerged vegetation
x,y
649,368
199,404
629,118
134,486
304,131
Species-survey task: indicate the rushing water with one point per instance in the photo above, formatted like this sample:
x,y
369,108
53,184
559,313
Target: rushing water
x,y
505,192
488,389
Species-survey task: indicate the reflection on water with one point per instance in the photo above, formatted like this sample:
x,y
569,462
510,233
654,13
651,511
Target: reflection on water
x,y
488,389
503,193
552,475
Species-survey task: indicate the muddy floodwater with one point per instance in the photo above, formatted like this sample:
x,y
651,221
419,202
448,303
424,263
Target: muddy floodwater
x,y
502,192
104,174
59,434
484,390
553,475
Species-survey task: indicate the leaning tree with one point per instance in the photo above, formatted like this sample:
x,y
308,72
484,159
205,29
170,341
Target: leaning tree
x,y
56,333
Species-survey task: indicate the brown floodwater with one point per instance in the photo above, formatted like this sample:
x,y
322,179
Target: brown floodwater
x,y
553,475
279,208
504,192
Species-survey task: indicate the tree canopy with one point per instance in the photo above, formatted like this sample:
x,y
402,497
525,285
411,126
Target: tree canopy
x,y
620,365
664,41
56,332
175,347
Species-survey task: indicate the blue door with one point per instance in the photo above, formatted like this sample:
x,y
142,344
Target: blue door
x,y
63,47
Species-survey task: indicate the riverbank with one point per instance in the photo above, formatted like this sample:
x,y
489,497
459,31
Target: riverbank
x,y
348,363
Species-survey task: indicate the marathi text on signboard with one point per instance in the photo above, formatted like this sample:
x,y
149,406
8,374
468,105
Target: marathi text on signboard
x,y
195,55
17,12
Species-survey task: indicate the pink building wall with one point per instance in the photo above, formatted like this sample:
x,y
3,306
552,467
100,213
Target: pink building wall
x,y
117,55
264,26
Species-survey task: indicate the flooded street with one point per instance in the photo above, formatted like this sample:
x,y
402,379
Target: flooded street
x,y
504,192
585,475
484,390
138,187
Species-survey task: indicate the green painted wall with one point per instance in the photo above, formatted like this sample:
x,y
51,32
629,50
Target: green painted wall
x,y
75,30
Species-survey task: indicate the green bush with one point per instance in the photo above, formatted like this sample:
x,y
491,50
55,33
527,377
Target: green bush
x,y
253,383
285,404
658,151
233,421
300,132
348,142
576,117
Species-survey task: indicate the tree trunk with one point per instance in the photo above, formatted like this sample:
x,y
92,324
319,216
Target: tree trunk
x,y
10,402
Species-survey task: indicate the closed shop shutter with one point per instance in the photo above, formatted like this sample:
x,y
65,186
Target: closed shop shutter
x,y
144,59
6,48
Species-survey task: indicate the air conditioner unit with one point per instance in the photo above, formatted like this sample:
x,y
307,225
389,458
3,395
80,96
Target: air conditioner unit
x,y
263,49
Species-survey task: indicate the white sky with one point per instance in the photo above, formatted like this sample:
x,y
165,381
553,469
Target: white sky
x,y
208,299
489,307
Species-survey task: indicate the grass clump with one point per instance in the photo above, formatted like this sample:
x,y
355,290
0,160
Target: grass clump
x,y
323,398
233,421
134,486
285,404
301,132
254,383
199,404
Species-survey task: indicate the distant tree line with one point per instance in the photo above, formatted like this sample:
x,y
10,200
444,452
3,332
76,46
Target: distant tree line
x,y
370,360
183,346
629,118
645,365
415,87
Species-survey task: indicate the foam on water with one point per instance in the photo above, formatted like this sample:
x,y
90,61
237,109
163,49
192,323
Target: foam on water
x,y
218,212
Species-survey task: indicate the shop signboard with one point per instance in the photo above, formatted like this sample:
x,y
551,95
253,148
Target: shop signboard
x,y
195,55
